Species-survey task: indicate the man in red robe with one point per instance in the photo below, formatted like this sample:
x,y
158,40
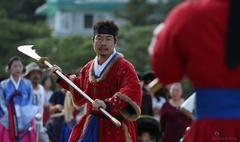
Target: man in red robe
x,y
200,40
112,82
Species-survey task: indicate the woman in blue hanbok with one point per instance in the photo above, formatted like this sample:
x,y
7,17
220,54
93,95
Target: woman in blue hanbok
x,y
17,105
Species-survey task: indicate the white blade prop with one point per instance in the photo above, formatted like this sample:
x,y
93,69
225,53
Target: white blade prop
x,y
27,50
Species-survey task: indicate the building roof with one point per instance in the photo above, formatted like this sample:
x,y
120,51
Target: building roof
x,y
54,5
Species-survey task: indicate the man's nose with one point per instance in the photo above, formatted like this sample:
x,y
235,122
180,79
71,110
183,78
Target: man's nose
x,y
104,41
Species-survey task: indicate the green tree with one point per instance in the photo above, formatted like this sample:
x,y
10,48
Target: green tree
x,y
75,51
137,11
69,53
134,45
22,10
14,33
142,12
18,24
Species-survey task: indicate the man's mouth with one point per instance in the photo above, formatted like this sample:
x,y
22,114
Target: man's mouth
x,y
102,49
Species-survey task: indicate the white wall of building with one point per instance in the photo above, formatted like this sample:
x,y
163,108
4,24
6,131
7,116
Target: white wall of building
x,y
74,22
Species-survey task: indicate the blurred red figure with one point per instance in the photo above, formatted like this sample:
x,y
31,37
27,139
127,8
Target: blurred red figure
x,y
199,39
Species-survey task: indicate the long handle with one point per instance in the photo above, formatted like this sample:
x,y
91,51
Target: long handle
x,y
113,119
38,119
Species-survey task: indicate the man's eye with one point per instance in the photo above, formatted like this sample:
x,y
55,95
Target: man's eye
x,y
99,38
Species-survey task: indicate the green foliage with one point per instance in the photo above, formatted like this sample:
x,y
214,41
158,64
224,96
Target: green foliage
x,y
134,42
137,11
19,25
187,87
69,53
14,33
22,10
142,12
74,51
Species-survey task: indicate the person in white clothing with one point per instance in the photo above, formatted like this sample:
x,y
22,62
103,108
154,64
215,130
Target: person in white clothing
x,y
188,106
47,83
34,73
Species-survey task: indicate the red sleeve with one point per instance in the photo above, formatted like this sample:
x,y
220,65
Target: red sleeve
x,y
127,100
79,82
167,58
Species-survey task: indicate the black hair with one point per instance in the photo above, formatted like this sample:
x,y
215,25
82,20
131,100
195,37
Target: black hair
x,y
148,77
11,60
106,27
46,78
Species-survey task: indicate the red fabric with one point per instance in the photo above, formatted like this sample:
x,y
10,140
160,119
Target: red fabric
x,y
29,137
120,77
11,113
107,131
115,103
173,123
192,43
214,130
46,115
13,126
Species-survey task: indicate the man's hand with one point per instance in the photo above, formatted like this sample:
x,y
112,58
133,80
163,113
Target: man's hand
x,y
53,69
98,103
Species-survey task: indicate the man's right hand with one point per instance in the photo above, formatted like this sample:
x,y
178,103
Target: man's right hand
x,y
52,71
54,68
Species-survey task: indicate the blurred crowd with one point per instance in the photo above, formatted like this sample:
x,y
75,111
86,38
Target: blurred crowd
x,y
50,115
162,116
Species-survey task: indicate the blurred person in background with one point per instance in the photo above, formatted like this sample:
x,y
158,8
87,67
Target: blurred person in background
x,y
148,129
158,96
17,122
188,106
34,73
47,83
173,121
146,106
56,121
72,114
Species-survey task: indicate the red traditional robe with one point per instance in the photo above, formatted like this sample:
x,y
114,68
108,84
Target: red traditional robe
x,y
192,43
119,87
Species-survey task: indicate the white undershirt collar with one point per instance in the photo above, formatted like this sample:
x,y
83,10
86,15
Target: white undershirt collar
x,y
16,84
98,69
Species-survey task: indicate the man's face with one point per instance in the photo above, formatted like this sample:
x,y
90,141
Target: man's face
x,y
103,44
35,76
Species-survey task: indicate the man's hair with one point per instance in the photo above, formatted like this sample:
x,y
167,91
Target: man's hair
x,y
105,27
